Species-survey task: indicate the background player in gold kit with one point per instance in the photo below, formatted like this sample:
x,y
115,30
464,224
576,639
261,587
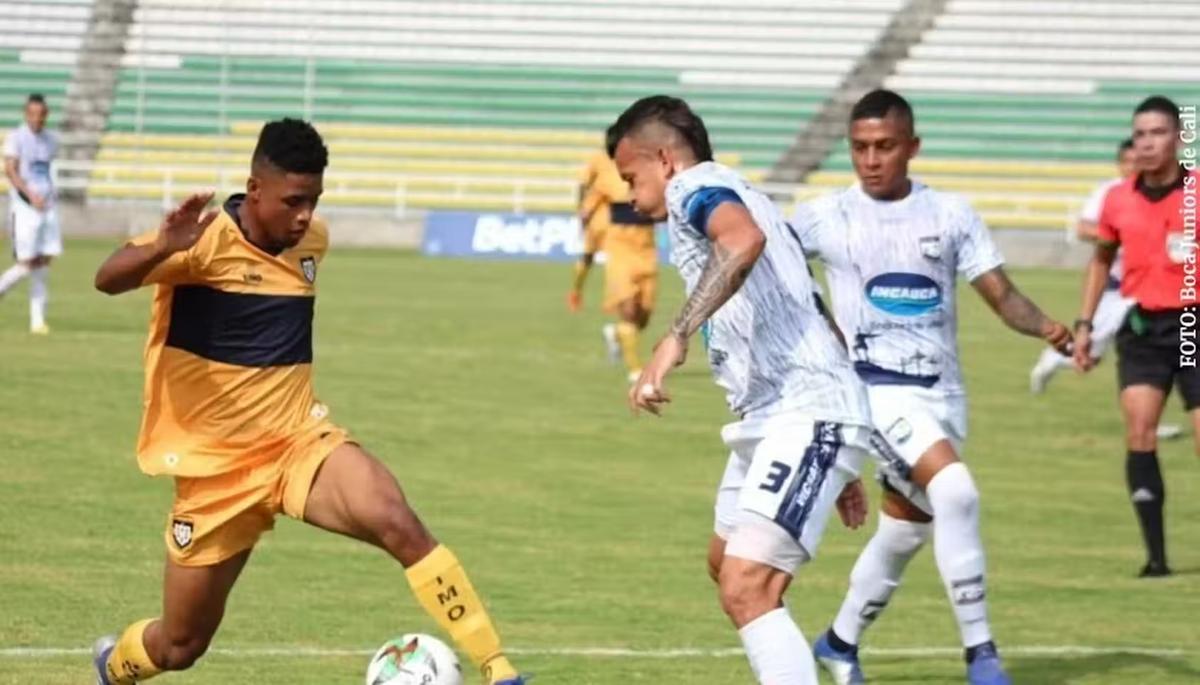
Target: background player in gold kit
x,y
631,266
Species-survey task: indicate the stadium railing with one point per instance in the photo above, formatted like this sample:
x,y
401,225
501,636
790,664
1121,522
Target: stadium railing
x,y
400,196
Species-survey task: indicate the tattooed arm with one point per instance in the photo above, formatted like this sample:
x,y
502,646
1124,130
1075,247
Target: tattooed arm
x,y
1017,311
737,243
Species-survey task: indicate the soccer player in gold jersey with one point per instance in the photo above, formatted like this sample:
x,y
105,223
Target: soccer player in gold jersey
x,y
230,414
631,266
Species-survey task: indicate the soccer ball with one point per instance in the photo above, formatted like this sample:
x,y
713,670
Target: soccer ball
x,y
414,659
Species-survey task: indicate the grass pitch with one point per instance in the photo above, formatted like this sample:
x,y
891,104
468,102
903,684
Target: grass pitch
x,y
583,527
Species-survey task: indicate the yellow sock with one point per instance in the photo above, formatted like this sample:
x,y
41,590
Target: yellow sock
x,y
627,336
129,663
581,273
443,589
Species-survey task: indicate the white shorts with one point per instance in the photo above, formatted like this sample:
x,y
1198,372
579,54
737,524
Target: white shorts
x,y
33,233
781,483
912,419
1108,319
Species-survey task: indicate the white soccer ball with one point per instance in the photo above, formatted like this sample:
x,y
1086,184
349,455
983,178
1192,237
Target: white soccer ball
x,y
414,659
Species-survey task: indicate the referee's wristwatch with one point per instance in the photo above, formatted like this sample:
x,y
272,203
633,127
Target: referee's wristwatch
x,y
1083,323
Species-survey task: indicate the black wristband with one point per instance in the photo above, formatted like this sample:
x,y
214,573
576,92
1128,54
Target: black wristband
x,y
1083,322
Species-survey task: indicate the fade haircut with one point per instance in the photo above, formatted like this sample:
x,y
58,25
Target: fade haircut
x,y
669,112
879,103
1162,105
292,145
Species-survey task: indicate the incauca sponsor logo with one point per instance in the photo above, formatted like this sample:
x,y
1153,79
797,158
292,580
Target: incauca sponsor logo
x,y
904,294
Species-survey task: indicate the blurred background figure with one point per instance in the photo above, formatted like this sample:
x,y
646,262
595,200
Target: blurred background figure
x,y
29,151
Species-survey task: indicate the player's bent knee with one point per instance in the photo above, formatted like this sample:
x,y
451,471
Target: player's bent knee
x,y
952,492
902,537
746,591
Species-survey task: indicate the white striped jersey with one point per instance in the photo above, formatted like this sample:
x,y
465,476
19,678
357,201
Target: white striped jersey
x,y
769,346
1091,212
892,268
34,152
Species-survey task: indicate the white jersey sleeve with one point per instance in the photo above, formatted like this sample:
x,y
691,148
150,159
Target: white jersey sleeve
x,y
1095,202
977,252
10,145
806,225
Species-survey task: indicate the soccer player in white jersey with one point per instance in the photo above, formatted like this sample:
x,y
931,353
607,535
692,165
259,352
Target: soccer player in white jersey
x,y
28,153
803,429
893,249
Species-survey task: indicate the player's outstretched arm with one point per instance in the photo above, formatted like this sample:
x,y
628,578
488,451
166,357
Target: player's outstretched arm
x,y
737,243
1095,278
1018,311
128,268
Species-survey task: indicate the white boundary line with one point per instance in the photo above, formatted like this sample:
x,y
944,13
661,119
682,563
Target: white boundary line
x,y
617,652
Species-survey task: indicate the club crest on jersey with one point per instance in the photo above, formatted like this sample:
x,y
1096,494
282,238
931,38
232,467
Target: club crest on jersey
x,y
308,266
181,532
931,246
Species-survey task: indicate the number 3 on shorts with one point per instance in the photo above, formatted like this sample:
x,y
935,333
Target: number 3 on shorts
x,y
777,476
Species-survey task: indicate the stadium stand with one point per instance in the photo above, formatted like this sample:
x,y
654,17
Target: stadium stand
x,y
461,104
494,105
1021,103
39,40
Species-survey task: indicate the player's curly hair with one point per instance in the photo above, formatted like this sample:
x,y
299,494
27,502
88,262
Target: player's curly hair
x,y
1162,105
668,111
292,145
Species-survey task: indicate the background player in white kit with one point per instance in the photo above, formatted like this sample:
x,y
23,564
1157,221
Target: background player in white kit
x,y
893,250
1113,306
804,427
33,220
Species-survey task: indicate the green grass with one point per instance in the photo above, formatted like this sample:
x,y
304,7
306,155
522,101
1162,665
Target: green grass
x,y
581,525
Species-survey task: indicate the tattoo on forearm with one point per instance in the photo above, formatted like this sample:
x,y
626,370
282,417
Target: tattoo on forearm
x,y
724,273
1020,313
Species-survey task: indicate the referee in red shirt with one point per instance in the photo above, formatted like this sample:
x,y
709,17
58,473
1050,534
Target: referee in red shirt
x,y
1144,217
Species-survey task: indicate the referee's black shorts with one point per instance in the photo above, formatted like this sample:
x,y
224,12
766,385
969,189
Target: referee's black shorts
x,y
1150,351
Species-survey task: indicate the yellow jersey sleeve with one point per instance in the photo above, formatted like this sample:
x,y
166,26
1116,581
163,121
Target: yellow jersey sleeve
x,y
175,269
609,184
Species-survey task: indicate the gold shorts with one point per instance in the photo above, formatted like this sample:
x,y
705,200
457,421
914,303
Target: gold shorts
x,y
629,280
216,517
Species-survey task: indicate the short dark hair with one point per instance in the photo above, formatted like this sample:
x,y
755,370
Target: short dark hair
x,y
1124,146
880,102
292,145
35,99
669,111
1161,104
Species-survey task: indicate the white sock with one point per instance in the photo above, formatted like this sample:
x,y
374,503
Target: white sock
x,y
39,292
876,574
958,549
10,278
777,650
1054,361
